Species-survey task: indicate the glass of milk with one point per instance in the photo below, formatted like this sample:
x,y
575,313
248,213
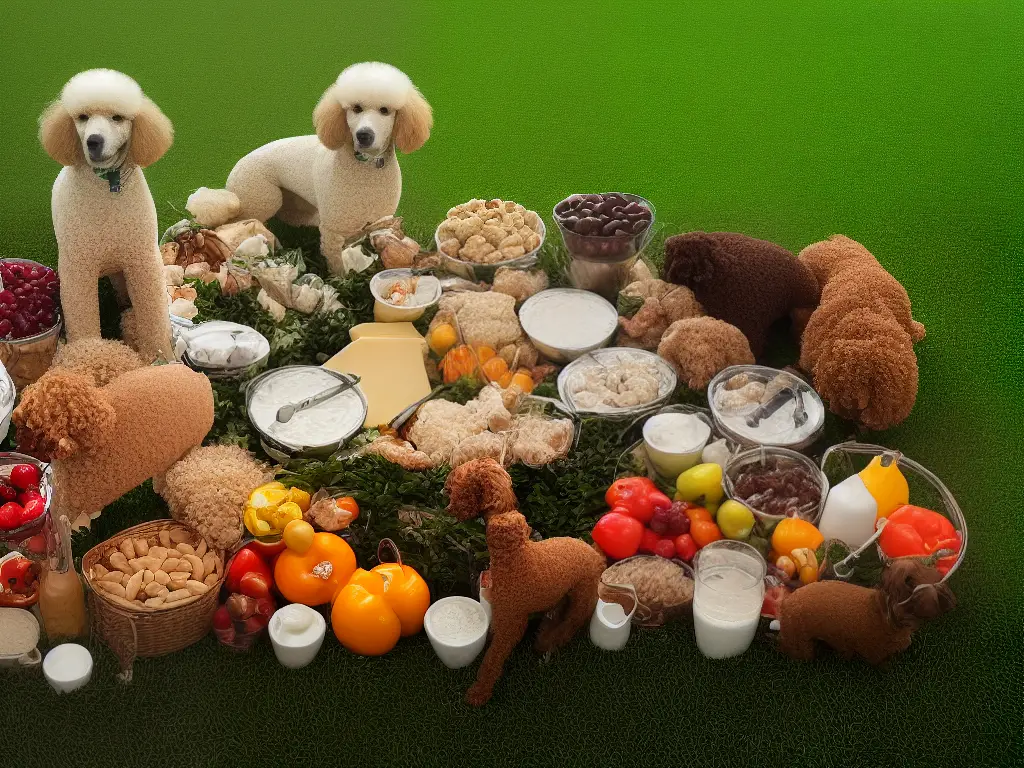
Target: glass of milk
x,y
727,597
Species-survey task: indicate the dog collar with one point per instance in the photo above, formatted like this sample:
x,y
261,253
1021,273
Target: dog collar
x,y
363,158
115,177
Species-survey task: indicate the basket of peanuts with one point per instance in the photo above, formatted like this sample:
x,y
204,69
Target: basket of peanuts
x,y
153,589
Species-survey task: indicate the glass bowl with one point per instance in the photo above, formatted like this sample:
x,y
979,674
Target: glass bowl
x,y
224,371
926,490
574,372
782,458
24,536
470,270
28,358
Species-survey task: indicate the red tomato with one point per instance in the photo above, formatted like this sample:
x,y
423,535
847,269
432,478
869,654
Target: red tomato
x,y
10,516
24,475
649,541
255,585
773,597
665,548
28,494
685,546
33,509
618,535
245,561
637,497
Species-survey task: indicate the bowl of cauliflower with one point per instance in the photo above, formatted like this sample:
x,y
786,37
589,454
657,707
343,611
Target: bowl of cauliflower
x,y
480,236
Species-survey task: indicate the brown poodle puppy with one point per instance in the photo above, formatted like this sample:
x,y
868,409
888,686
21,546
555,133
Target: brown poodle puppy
x,y
208,490
874,624
858,345
700,347
747,282
105,441
558,575
101,360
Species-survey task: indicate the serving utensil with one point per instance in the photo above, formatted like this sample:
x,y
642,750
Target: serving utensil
x,y
286,412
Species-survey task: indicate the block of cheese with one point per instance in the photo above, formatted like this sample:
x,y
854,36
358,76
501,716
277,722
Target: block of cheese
x,y
391,374
386,331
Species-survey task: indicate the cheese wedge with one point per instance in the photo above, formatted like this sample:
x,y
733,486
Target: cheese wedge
x,y
391,373
385,331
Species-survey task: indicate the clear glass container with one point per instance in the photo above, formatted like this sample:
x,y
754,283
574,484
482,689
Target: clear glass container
x,y
766,458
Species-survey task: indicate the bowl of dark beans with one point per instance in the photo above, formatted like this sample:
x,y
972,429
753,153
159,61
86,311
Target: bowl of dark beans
x,y
604,233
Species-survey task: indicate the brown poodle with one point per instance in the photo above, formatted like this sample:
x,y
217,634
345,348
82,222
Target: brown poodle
x,y
101,360
858,345
700,347
105,441
744,281
874,624
558,576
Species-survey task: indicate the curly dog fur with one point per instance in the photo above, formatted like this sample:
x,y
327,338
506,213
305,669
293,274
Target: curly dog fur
x,y
858,345
103,441
326,180
103,121
101,360
208,490
744,281
557,576
874,624
700,347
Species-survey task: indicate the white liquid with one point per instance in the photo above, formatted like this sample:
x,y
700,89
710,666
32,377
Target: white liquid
x,y
726,610
569,319
675,441
850,513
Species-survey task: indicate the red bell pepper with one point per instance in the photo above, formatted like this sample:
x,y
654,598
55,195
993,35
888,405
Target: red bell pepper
x,y
17,576
638,497
918,532
246,561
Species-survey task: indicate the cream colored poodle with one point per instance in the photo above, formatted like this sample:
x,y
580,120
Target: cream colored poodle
x,y
104,130
339,180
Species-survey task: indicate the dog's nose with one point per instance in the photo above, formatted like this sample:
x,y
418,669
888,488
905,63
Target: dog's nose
x,y
364,136
94,143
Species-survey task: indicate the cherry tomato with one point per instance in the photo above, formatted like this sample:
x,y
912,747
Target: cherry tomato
x,y
24,476
244,561
10,515
618,535
255,585
686,547
33,509
704,532
649,541
665,548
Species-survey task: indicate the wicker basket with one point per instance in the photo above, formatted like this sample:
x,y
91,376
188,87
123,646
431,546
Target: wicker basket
x,y
137,630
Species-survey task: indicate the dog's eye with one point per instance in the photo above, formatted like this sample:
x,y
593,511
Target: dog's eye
x,y
117,118
384,110
83,117
357,109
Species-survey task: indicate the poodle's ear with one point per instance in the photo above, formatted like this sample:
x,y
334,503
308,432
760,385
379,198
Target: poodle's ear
x,y
330,123
413,123
61,415
58,136
464,502
152,135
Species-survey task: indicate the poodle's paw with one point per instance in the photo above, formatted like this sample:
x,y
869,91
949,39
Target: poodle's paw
x,y
478,695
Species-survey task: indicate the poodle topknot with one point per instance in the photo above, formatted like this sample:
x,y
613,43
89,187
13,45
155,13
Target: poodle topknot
x,y
372,82
102,89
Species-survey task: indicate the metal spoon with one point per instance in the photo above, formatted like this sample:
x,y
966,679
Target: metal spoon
x,y
286,412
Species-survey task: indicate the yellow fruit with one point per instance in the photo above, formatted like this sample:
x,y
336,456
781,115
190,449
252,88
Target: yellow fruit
x,y
441,338
298,536
523,380
300,497
269,495
735,520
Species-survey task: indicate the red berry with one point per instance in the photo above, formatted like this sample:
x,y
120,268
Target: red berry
x,y
665,548
10,516
32,510
649,541
8,492
686,547
221,618
7,297
25,476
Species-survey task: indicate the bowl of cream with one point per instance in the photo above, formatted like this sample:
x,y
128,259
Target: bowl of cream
x,y
457,630
565,323
399,295
319,430
296,632
223,350
674,441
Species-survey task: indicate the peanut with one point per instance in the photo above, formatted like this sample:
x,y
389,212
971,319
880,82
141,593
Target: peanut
x,y
196,587
219,565
209,562
155,589
120,562
171,564
197,566
211,580
148,576
112,576
112,587
132,587
186,549
154,602
177,583
161,577
98,570
160,553
128,548
201,549
165,538
179,535
141,547
176,595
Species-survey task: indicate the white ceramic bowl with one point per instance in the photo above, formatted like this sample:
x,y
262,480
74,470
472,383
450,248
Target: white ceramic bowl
x,y
67,667
428,290
296,649
547,318
456,655
671,462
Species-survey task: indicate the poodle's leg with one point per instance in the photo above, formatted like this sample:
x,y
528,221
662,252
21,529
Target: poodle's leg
x,y
80,304
120,287
507,629
582,601
149,308
795,643
256,188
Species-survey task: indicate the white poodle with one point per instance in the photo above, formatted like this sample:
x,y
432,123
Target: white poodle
x,y
104,130
342,178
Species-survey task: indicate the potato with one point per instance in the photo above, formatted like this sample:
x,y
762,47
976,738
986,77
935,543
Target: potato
x,y
155,589
131,589
198,571
127,548
154,602
186,549
201,549
161,577
148,576
141,547
178,535
196,587
176,595
165,538
120,562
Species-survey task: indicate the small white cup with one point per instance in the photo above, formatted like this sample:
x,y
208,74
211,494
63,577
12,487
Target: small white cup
x,y
296,649
610,626
67,667
672,463
456,655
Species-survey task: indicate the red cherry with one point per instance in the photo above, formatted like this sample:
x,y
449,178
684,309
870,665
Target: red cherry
x,y
32,510
10,516
222,619
25,477
7,297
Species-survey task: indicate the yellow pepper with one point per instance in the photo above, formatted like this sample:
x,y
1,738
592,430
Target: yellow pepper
x,y
272,506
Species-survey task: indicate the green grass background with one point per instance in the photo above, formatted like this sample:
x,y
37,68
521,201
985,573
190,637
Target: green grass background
x,y
897,123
